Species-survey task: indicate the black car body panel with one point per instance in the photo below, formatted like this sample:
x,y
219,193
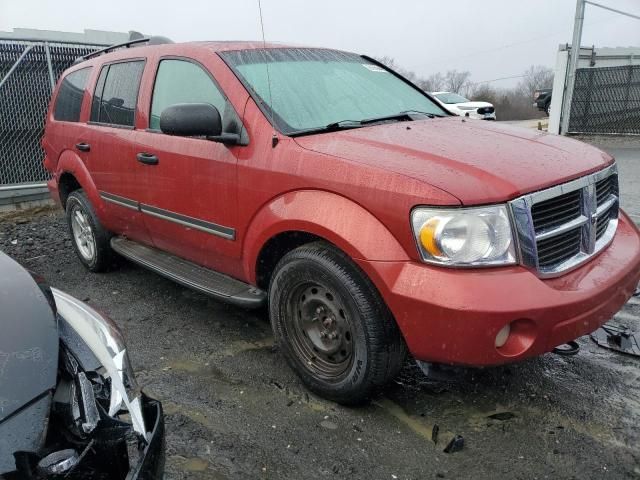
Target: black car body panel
x,y
29,352
51,380
151,465
544,98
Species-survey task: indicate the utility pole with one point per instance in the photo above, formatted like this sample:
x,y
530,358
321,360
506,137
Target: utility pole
x,y
573,66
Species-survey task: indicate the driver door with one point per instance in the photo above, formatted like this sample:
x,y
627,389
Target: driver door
x,y
188,195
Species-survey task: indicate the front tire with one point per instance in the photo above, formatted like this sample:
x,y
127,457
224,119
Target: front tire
x,y
90,239
332,326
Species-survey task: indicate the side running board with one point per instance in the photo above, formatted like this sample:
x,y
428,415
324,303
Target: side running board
x,y
184,272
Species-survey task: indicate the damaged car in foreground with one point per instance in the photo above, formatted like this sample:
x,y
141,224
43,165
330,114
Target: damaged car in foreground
x,y
69,403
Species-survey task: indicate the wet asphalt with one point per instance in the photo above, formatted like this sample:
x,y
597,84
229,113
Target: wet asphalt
x,y
233,408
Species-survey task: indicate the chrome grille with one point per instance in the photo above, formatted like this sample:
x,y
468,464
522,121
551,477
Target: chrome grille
x,y
606,187
564,226
603,223
560,248
556,211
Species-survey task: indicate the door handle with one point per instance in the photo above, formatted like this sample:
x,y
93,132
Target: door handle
x,y
147,158
83,147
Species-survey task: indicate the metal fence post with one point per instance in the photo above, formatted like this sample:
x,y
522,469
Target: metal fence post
x,y
47,51
573,66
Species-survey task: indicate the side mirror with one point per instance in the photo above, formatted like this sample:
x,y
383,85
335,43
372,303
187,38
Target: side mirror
x,y
191,120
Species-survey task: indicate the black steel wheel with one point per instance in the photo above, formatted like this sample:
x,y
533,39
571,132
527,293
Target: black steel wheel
x,y
319,330
332,325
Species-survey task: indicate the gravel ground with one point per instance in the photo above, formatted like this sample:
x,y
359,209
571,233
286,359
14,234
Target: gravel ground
x,y
235,410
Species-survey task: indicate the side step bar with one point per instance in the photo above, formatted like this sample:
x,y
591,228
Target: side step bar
x,y
184,272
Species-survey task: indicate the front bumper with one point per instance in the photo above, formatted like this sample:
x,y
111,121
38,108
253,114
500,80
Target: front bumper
x,y
481,116
453,316
150,465
95,343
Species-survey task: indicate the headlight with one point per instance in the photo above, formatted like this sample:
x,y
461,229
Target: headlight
x,y
479,236
465,107
105,341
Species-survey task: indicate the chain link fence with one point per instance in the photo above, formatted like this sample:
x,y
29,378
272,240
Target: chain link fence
x,y
28,73
606,101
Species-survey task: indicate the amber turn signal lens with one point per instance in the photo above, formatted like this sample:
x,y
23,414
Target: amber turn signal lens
x,y
428,237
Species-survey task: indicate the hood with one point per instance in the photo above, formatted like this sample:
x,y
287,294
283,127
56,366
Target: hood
x,y
28,361
477,162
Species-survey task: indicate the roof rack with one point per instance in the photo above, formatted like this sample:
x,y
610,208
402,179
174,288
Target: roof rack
x,y
155,40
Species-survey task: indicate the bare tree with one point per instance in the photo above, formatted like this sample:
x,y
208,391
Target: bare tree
x,y
455,81
535,78
432,83
388,61
393,65
483,92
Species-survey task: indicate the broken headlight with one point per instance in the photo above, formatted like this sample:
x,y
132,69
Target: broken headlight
x,y
105,341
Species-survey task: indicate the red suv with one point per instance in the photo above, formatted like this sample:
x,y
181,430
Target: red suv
x,y
326,185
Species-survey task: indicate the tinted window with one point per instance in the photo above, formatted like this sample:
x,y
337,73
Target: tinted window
x,y
116,94
97,94
69,99
179,81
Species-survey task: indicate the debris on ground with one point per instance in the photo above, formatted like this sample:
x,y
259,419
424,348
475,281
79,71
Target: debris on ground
x,y
434,434
617,337
455,445
328,425
502,416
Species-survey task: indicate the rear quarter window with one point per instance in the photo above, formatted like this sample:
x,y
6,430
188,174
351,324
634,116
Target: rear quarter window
x,y
70,95
116,94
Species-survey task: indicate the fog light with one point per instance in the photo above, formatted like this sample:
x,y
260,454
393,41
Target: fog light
x,y
503,335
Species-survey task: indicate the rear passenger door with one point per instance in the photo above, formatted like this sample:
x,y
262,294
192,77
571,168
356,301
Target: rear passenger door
x,y
112,159
64,131
189,195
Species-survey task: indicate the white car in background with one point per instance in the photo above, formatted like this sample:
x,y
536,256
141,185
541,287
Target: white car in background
x,y
464,107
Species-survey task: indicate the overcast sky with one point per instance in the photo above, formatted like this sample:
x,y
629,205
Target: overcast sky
x,y
490,38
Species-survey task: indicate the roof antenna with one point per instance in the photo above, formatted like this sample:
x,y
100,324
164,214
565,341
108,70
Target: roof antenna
x,y
274,138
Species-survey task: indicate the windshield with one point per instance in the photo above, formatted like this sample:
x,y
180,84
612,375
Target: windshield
x,y
449,98
313,88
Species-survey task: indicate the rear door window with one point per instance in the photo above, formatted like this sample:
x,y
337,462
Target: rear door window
x,y
70,94
116,94
181,81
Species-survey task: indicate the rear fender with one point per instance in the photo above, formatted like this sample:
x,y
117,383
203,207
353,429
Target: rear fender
x,y
70,163
332,217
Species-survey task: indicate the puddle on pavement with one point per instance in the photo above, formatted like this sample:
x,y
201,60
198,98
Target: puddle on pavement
x,y
241,346
195,464
172,408
415,423
210,372
194,467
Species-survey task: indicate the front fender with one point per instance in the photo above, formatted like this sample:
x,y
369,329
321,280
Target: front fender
x,y
330,216
71,163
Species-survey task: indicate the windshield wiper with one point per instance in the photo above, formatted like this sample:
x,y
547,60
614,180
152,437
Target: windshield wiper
x,y
406,116
331,127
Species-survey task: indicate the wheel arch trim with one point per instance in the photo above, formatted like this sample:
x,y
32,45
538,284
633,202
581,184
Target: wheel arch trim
x,y
336,219
70,163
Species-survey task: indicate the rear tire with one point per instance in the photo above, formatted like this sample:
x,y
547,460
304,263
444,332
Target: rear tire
x,y
90,239
332,326
547,108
